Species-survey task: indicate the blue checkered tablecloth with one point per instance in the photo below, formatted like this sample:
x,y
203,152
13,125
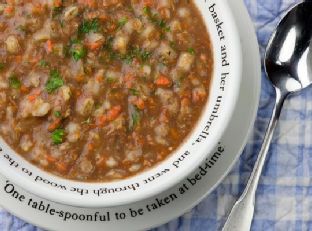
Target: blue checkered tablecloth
x,y
284,196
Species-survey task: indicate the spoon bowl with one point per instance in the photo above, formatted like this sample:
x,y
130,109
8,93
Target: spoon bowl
x,y
288,55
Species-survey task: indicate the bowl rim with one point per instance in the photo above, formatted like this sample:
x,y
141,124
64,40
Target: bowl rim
x,y
71,199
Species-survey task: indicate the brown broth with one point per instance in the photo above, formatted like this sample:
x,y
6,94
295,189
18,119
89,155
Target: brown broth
x,y
101,90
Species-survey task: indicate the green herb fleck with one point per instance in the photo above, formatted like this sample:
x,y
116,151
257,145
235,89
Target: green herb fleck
x,y
98,106
154,18
43,63
2,66
130,9
57,11
191,51
57,114
58,136
14,82
22,28
173,45
134,92
109,43
145,55
162,24
62,23
138,53
135,118
111,80
54,82
88,26
147,10
122,22
77,50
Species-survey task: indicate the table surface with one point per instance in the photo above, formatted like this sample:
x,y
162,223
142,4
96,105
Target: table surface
x,y
284,196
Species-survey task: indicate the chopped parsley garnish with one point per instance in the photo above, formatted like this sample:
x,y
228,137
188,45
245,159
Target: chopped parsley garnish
x,y
58,136
133,52
57,114
155,19
111,80
173,45
22,28
109,43
57,11
134,92
144,55
191,51
62,23
147,10
162,24
2,66
122,22
14,82
54,82
77,50
138,53
135,118
43,63
88,26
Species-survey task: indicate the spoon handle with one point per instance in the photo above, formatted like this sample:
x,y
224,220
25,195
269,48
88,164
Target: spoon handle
x,y
242,213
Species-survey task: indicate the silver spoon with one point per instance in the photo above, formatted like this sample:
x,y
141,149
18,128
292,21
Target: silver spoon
x,y
288,63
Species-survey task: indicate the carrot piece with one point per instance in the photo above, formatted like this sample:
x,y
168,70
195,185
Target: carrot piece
x,y
57,3
113,113
198,96
99,78
90,147
38,9
163,81
50,159
18,58
35,94
101,120
32,98
24,89
129,79
54,125
9,10
94,46
140,103
174,134
185,101
101,161
49,46
111,27
61,167
89,3
164,116
79,78
147,163
148,3
78,93
103,17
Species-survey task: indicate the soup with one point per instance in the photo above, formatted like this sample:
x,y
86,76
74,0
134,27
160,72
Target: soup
x,y
101,90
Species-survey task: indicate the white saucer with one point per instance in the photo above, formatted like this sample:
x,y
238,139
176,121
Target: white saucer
x,y
174,202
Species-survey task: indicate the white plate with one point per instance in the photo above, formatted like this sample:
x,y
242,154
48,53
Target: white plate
x,y
174,202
